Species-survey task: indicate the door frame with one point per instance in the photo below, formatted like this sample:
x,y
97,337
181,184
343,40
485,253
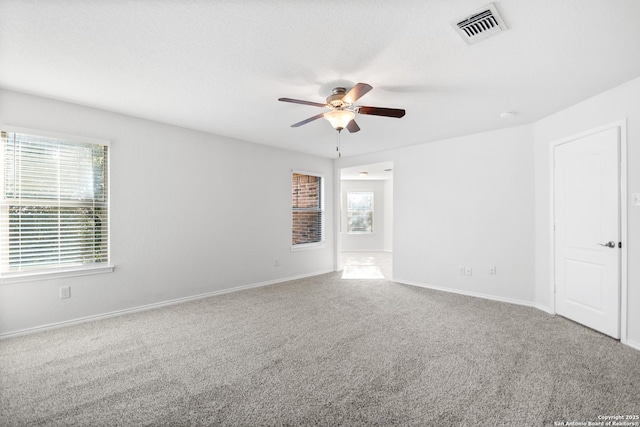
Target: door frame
x,y
337,174
623,200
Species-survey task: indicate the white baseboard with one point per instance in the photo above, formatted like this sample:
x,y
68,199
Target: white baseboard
x,y
632,344
154,305
365,250
467,293
544,308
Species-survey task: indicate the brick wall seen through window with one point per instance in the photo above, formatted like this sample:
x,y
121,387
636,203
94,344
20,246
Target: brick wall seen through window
x,y
307,209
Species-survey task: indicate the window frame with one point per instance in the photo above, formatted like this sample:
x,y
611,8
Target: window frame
x,y
320,210
372,212
55,272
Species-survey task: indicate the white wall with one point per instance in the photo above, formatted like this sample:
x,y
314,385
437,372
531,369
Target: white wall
x,y
613,105
465,201
365,242
191,213
388,215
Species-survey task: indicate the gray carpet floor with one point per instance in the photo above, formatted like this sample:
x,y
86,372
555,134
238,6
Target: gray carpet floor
x,y
320,351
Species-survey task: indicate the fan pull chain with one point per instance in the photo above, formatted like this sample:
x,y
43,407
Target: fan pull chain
x,y
338,146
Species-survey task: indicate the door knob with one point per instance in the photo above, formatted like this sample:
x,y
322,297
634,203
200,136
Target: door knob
x,y
608,244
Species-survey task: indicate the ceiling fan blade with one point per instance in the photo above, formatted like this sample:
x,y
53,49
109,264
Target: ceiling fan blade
x,y
356,92
377,111
310,119
353,126
298,101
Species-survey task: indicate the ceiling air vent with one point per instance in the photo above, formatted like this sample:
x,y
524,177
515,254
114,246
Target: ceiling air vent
x,y
480,25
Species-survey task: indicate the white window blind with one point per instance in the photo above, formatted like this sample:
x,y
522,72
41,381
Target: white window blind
x,y
54,212
360,212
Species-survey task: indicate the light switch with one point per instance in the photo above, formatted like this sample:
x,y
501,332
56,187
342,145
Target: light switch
x,y
635,199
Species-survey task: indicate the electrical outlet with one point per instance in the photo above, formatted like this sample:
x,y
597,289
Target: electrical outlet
x,y
461,270
65,292
492,269
468,271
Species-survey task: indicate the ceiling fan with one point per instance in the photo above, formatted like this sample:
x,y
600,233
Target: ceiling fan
x,y
343,112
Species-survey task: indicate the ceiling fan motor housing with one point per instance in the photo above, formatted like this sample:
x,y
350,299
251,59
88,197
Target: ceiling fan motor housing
x,y
335,99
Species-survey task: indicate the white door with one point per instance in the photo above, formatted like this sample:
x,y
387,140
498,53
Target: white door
x,y
587,230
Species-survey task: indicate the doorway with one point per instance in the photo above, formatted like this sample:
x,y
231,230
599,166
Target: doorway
x,y
365,221
588,229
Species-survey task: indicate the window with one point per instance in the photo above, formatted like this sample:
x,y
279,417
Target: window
x,y
360,212
54,210
308,210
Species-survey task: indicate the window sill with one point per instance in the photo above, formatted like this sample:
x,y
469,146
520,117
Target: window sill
x,y
305,246
44,275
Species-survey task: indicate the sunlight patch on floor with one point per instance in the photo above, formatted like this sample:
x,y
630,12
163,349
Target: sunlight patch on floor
x,y
360,260
361,267
362,272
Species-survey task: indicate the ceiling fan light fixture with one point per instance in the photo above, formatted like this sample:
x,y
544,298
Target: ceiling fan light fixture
x,y
339,119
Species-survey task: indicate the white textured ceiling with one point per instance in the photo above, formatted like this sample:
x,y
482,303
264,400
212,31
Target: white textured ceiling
x,y
220,66
374,172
